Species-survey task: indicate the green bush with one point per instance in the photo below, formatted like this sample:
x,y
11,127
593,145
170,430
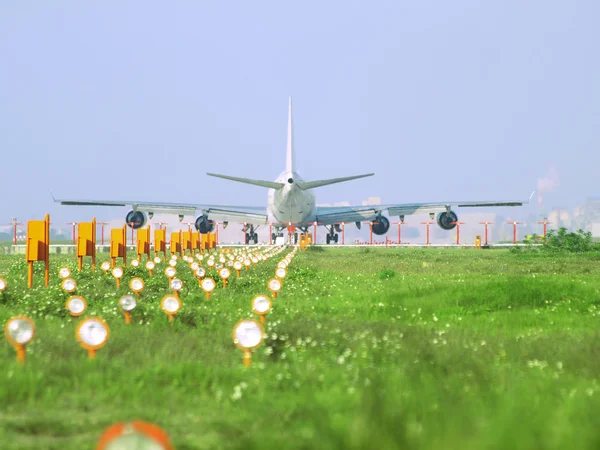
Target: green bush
x,y
569,242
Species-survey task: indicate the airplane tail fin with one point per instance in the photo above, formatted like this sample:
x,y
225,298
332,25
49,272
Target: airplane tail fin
x,y
263,183
304,185
290,163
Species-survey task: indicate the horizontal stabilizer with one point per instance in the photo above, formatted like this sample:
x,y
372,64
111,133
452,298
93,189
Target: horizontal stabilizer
x,y
263,183
304,185
222,215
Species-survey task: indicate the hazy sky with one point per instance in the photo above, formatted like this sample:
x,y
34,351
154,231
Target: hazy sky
x,y
462,100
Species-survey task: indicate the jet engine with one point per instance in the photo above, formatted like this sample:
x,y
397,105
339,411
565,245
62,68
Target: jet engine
x,y
381,225
338,227
136,219
203,225
445,219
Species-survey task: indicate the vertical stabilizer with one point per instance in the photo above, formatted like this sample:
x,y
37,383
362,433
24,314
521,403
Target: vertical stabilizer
x,y
290,165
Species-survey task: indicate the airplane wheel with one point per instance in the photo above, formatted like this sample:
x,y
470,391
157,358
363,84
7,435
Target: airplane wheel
x,y
255,238
328,239
335,238
295,238
274,237
247,240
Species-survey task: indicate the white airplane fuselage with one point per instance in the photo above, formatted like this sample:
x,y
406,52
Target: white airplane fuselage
x,y
290,204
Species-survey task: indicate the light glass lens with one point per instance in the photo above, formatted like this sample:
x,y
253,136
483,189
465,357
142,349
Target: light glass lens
x,y
157,260
195,266
2,284
20,331
173,263
64,272
93,332
105,266
136,284
280,273
208,284
133,440
219,266
248,334
117,272
261,304
76,305
200,272
170,272
176,284
127,302
69,284
224,273
211,262
135,263
171,304
282,265
255,260
247,262
274,285
150,265
237,265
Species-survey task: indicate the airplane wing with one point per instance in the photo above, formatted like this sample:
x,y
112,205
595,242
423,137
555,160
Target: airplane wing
x,y
327,215
249,214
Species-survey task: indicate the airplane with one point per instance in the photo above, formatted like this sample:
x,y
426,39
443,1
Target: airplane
x,y
290,202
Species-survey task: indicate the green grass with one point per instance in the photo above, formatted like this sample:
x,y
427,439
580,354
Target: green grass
x,y
366,348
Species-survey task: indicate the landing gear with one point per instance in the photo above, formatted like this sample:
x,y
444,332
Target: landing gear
x,y
251,237
295,238
332,236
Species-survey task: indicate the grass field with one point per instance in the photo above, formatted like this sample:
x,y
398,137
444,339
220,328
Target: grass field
x,y
366,348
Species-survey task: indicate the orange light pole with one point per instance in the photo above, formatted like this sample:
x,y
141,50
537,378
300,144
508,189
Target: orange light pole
x,y
458,224
102,230
270,233
514,224
370,232
545,222
427,224
315,232
160,224
14,224
343,232
216,233
486,230
74,225
399,231
132,230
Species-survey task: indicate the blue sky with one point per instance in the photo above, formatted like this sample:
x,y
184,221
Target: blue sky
x,y
463,100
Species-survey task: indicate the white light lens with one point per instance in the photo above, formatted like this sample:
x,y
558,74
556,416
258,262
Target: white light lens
x,y
225,273
150,265
69,284
210,262
171,304
219,266
135,263
200,257
237,265
274,285
20,331
221,259
93,332
2,284
280,273
229,263
176,284
247,262
282,265
127,302
200,272
248,334
136,284
105,266
157,260
64,272
76,305
261,304
208,284
195,266
173,263
255,260
117,272
170,272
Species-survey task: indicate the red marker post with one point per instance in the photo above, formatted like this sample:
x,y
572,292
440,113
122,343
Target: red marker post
x,y
400,231
486,230
427,223
545,222
74,236
514,224
458,224
14,224
102,230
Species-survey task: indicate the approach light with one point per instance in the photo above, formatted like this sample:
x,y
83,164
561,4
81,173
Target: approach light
x,y
280,273
176,284
117,272
282,265
248,335
69,285
229,263
157,260
170,272
261,305
222,259
210,263
136,285
64,272
199,256
170,304
208,285
135,263
92,334
2,284
254,260
76,305
19,331
224,274
219,266
127,303
237,266
194,266
173,262
274,286
105,266
200,272
134,435
247,263
150,266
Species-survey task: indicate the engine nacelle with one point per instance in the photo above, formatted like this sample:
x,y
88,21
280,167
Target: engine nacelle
x,y
136,219
445,219
337,227
381,225
203,225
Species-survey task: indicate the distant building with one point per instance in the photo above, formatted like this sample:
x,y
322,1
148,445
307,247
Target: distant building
x,y
592,216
